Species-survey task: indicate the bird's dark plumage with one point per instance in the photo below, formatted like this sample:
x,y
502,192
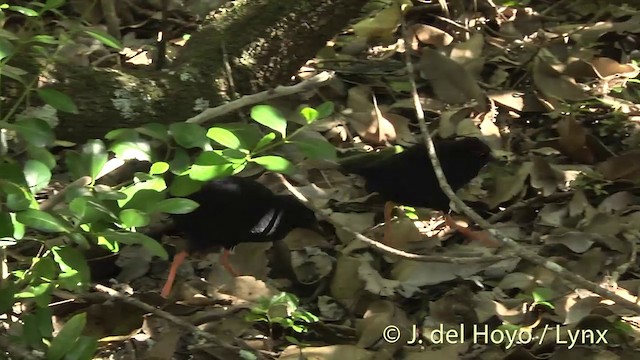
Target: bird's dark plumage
x,y
408,177
236,209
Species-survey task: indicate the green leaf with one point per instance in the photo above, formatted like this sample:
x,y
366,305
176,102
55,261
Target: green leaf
x,y
19,198
275,163
36,132
224,137
41,154
8,290
316,148
14,73
176,206
138,150
105,38
144,195
125,134
94,156
53,4
247,355
210,165
158,168
266,140
131,238
270,117
189,135
24,11
37,175
41,220
75,273
57,100
155,131
45,39
309,114
184,186
84,349
325,109
134,218
67,337
6,48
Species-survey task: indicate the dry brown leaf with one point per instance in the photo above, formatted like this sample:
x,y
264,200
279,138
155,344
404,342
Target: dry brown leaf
x,y
545,177
517,101
346,286
429,35
508,187
622,167
451,82
573,140
381,26
553,84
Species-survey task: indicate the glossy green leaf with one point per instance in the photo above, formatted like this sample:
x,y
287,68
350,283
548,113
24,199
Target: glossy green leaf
x,y
184,186
123,134
74,270
134,218
6,48
67,337
24,11
45,39
316,148
275,163
37,175
18,197
13,73
53,4
189,135
325,109
159,168
144,196
266,140
41,154
35,132
105,38
210,165
40,220
224,137
131,238
176,206
270,117
155,131
84,349
57,100
139,150
309,114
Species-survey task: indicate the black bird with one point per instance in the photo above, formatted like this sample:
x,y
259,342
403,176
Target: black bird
x,y
234,210
408,177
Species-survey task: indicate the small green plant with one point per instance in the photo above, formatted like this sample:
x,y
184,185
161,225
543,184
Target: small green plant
x,y
282,309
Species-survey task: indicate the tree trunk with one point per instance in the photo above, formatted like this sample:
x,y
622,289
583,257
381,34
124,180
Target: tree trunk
x,y
266,42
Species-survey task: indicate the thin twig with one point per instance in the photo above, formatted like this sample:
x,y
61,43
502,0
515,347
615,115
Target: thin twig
x,y
309,84
174,319
388,249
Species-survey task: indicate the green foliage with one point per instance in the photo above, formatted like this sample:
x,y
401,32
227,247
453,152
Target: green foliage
x,y
91,214
283,310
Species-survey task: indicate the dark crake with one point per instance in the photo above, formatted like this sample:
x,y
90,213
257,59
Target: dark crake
x,y
235,210
408,177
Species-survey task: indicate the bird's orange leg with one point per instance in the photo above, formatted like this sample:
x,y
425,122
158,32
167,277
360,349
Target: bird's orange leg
x,y
388,214
224,261
178,259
